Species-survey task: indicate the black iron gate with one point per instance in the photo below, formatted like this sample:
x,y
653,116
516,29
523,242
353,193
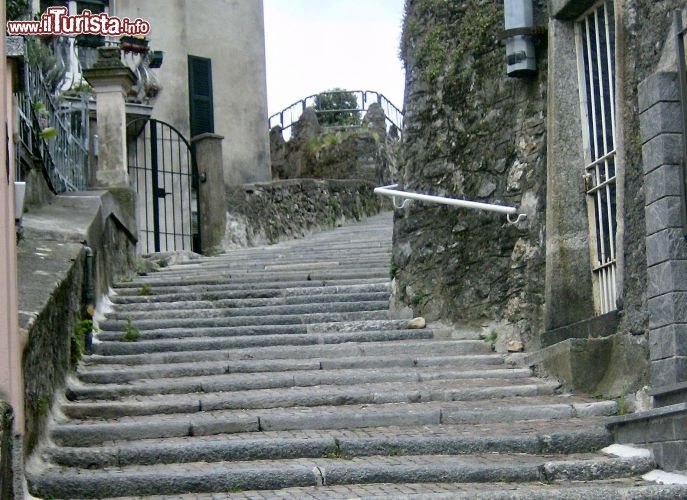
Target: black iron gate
x,y
163,170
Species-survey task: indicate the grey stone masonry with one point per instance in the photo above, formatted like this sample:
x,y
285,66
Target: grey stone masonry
x,y
660,123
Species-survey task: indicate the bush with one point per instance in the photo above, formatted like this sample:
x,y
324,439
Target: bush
x,y
16,9
337,107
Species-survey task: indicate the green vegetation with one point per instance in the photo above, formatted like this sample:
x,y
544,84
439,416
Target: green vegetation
x,y
419,298
145,289
82,329
16,9
337,107
131,333
491,338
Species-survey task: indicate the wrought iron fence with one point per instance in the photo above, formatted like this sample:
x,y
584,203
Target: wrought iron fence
x,y
55,131
364,98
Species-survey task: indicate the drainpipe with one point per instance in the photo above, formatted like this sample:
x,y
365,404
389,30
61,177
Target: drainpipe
x,y
88,292
519,28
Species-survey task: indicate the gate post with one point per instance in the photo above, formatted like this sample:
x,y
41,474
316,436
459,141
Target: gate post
x,y
111,80
212,194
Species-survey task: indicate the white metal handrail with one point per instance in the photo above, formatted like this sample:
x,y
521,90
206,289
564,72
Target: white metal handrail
x,y
474,205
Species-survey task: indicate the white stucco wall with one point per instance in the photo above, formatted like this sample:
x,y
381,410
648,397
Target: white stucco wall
x,y
231,34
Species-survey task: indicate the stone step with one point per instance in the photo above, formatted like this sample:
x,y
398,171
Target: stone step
x,y
118,325
508,404
207,344
117,374
199,477
258,277
269,310
540,437
328,260
284,300
225,289
469,380
237,331
305,289
114,401
425,346
610,489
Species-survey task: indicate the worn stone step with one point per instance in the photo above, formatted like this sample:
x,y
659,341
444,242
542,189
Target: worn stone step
x,y
117,374
308,289
281,272
538,437
256,278
115,402
269,310
206,344
425,346
119,325
328,260
610,489
508,404
304,378
283,300
237,331
199,477
224,289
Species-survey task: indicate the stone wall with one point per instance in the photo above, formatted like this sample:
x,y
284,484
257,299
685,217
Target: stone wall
x,y
471,132
313,152
54,294
266,213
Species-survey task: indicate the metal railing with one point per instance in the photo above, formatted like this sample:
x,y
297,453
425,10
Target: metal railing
x,y
473,205
364,98
64,151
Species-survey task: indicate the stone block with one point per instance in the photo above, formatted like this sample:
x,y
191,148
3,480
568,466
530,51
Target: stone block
x,y
664,117
668,341
568,9
667,309
661,182
668,371
664,149
666,245
671,456
659,87
664,213
667,277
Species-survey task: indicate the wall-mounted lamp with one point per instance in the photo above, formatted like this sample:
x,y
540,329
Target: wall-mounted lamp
x,y
519,37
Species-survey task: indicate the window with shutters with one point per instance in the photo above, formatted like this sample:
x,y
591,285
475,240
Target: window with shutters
x,y
200,95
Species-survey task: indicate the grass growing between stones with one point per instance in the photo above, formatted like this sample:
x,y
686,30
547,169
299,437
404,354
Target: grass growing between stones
x,y
131,333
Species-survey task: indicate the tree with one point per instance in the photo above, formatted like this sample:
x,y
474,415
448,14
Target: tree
x,y
16,8
337,107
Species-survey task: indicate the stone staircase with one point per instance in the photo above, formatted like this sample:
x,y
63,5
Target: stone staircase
x,y
275,372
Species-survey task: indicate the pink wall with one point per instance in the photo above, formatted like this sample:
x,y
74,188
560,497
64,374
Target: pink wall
x,y
11,384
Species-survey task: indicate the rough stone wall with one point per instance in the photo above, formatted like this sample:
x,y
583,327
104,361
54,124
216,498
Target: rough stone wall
x,y
6,440
315,153
47,354
270,212
471,132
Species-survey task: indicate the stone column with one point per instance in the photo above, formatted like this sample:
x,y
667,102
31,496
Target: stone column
x,y
666,248
111,80
212,193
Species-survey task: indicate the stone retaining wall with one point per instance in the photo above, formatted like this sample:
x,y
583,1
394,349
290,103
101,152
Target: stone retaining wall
x,y
270,212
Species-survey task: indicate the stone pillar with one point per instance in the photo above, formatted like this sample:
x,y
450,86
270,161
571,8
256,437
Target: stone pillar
x,y
111,80
212,193
666,248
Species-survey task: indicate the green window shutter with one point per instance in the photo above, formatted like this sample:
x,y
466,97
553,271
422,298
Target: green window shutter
x,y
200,95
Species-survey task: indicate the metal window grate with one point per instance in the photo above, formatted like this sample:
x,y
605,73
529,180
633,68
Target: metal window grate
x,y
596,63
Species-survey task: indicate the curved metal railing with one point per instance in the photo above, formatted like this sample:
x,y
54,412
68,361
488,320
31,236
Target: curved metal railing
x,y
364,98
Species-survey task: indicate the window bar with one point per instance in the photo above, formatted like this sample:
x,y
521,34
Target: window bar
x,y
683,101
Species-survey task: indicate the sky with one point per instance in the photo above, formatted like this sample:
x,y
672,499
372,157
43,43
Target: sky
x,y
317,45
